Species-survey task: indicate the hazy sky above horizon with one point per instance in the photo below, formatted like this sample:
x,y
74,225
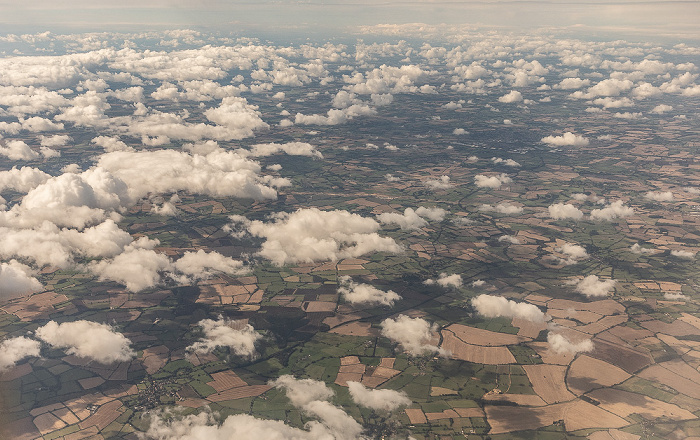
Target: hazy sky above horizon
x,y
669,18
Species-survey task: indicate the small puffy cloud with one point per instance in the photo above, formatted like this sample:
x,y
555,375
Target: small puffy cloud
x,y
506,162
238,336
136,268
436,184
494,182
413,219
492,306
445,280
573,252
504,208
17,150
111,144
566,139
512,96
612,211
560,344
408,220
432,214
22,179
561,211
508,238
357,293
14,350
459,131
661,109
290,148
685,255
201,265
309,235
675,296
572,83
301,392
378,400
16,280
592,286
413,334
637,249
391,178
627,115
659,196
58,140
478,283
87,339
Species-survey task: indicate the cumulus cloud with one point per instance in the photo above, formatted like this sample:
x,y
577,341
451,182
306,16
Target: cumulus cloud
x,y
219,173
659,196
358,293
445,280
612,211
592,286
136,268
17,150
494,182
87,339
436,184
573,252
506,162
502,208
508,238
661,109
14,350
685,255
492,306
561,211
566,139
58,140
378,400
201,265
512,96
290,148
238,336
413,334
675,296
111,144
637,249
560,344
22,179
413,219
335,116
16,280
301,392
309,235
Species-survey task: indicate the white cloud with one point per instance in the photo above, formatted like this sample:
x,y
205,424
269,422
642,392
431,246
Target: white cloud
x,y
309,235
301,392
16,280
413,334
238,336
494,182
572,83
436,184
573,252
445,280
291,148
492,306
560,344
637,249
137,269
335,116
685,255
357,293
502,208
567,138
22,179
607,87
508,238
512,96
408,220
58,140
506,162
111,144
591,286
14,350
659,196
201,265
87,339
675,296
459,131
433,214
561,211
613,210
17,150
661,109
378,400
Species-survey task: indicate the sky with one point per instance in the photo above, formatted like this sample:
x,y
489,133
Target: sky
x,y
672,18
